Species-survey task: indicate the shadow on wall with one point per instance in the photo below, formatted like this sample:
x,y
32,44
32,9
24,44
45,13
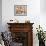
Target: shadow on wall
x,y
0,15
43,6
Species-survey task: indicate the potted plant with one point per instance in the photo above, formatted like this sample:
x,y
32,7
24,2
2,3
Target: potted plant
x,y
41,36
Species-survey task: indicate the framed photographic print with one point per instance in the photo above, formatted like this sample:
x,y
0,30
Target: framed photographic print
x,y
20,10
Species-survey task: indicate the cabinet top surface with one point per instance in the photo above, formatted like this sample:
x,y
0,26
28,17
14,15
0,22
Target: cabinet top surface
x,y
19,23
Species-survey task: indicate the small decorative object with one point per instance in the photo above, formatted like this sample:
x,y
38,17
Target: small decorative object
x,y
11,20
41,36
20,10
27,21
14,21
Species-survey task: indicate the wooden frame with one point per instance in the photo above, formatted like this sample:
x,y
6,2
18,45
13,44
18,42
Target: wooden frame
x,y
20,10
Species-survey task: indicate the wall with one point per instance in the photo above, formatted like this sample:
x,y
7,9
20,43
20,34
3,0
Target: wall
x,y
43,14
33,14
0,15
43,6
33,10
36,10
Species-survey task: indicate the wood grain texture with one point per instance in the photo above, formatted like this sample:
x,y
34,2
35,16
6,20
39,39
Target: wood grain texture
x,y
23,27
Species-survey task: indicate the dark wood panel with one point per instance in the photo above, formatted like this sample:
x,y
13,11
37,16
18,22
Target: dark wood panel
x,y
22,27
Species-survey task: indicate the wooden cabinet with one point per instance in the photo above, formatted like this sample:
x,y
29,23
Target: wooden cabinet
x,y
22,33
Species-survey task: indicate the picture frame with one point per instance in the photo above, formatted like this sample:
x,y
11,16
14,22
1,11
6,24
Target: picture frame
x,y
20,10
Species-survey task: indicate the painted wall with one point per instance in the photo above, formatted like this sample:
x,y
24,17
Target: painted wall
x,y
43,14
0,15
33,11
34,14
